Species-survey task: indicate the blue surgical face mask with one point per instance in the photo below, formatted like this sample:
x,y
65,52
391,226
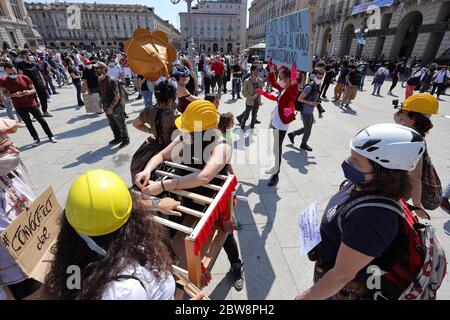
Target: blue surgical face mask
x,y
12,76
352,174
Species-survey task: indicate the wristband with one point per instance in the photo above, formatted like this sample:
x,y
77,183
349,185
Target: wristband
x,y
162,185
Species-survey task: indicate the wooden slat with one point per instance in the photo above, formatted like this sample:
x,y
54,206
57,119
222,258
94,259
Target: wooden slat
x,y
194,196
189,211
171,175
183,167
208,212
173,225
194,263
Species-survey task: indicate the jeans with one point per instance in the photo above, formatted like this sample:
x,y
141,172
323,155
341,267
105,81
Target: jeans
x,y
42,94
254,111
308,121
49,84
278,136
361,85
207,85
394,83
77,85
376,88
10,110
324,88
117,123
236,87
148,98
446,193
37,114
231,249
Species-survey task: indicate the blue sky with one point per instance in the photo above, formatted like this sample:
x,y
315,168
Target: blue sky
x,y
163,8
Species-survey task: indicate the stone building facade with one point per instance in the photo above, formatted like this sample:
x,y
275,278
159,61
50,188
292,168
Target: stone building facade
x,y
409,28
262,11
102,25
217,26
16,28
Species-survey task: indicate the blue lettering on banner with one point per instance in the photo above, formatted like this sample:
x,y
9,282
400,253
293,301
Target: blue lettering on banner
x,y
288,40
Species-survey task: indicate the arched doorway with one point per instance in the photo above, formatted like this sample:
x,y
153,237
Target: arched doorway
x,y
326,43
93,44
348,35
109,44
436,37
81,45
52,44
407,32
230,48
215,47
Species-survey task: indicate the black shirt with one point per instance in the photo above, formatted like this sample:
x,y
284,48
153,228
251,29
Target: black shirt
x,y
90,75
354,77
109,88
369,231
74,71
144,86
32,71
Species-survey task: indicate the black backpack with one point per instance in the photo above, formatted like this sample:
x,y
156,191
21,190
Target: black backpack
x,y
298,104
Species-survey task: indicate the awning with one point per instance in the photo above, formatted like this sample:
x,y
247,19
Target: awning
x,y
261,45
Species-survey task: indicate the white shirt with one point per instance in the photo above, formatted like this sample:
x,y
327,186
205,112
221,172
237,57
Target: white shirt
x,y
383,71
115,72
132,289
440,76
276,121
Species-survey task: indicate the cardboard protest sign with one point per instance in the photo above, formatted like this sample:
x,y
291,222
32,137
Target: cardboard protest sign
x,y
30,237
288,40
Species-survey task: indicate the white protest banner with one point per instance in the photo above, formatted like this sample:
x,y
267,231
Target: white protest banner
x,y
309,223
30,237
288,40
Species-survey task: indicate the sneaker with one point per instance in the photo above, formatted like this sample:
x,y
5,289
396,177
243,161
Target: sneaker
x,y
257,121
49,100
237,225
47,115
273,181
291,137
81,104
36,142
52,139
115,141
239,97
124,144
324,97
304,146
56,92
237,271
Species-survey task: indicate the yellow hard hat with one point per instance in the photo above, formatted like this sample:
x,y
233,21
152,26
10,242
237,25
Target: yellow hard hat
x,y
99,203
422,103
199,115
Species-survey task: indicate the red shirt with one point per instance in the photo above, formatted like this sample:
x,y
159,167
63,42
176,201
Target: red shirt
x,y
21,83
218,68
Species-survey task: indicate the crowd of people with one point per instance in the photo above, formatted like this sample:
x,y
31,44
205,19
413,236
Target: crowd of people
x,y
124,254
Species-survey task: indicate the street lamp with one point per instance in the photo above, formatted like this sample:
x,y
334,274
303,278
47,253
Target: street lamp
x,y
191,45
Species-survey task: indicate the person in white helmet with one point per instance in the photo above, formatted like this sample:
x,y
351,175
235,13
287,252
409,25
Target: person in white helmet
x,y
380,162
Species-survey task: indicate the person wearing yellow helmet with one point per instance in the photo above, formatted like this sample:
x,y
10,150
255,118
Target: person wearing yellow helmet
x,y
201,146
120,251
415,113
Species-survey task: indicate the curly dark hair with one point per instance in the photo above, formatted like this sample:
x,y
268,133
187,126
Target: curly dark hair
x,y
421,123
165,91
224,122
139,240
394,184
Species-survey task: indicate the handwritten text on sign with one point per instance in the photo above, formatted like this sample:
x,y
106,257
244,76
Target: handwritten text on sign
x,y
309,223
288,40
29,237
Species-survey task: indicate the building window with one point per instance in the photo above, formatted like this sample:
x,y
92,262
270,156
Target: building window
x,y
13,37
15,8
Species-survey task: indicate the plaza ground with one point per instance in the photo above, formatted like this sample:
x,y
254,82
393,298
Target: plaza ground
x,y
269,240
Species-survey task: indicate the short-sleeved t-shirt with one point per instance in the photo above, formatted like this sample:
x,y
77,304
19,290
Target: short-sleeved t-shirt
x,y
32,71
21,83
343,74
307,108
108,90
354,77
145,286
91,78
370,231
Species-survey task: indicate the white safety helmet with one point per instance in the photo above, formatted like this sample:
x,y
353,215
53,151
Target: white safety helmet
x,y
392,146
